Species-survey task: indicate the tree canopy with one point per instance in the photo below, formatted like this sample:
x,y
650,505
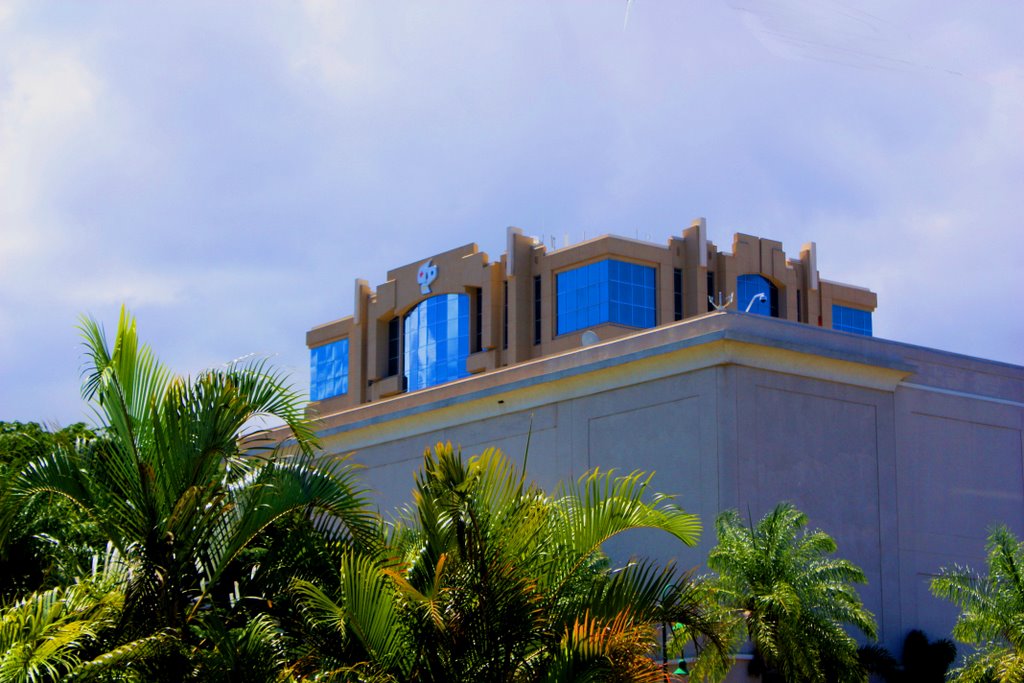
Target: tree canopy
x,y
488,578
173,492
786,592
216,554
991,611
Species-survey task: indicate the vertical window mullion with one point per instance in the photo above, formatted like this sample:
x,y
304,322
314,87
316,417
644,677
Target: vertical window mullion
x,y
536,309
677,293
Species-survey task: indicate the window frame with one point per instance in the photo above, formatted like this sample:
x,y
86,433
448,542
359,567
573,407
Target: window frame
x,y
317,385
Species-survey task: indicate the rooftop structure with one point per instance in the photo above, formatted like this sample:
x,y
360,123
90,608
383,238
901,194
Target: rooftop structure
x,y
457,313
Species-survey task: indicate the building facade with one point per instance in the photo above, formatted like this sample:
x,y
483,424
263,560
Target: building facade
x,y
458,313
905,455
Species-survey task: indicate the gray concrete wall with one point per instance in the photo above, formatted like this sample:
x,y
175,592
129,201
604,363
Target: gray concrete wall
x,y
907,477
959,471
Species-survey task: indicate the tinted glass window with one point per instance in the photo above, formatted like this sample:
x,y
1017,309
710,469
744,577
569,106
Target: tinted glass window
x,y
749,286
437,341
846,319
605,291
328,370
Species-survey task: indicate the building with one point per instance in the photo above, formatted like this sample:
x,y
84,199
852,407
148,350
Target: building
x,y
458,314
905,455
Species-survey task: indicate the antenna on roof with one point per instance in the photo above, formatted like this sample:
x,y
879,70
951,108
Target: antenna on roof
x,y
720,306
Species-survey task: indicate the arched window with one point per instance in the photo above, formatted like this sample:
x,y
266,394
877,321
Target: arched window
x,y
436,341
748,287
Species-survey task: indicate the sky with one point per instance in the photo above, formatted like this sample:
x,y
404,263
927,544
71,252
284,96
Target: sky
x,y
227,170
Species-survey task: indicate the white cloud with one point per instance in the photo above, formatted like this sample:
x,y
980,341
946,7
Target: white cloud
x,y
47,97
132,287
328,50
229,174
6,11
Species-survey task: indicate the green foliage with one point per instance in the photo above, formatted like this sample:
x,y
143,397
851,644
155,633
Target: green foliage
x,y
252,652
180,485
45,635
49,634
488,578
991,612
21,442
789,597
49,540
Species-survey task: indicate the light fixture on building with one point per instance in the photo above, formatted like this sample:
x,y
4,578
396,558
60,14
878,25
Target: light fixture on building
x,y
760,296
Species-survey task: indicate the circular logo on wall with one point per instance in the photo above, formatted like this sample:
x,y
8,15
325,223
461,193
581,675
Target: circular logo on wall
x,y
426,275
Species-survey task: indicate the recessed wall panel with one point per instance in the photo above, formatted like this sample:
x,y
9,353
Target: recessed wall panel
x,y
816,445
663,438
961,478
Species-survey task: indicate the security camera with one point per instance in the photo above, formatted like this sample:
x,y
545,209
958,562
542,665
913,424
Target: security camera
x,y
760,296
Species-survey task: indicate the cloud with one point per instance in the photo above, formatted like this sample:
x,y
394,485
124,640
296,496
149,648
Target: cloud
x,y
229,174
47,97
134,288
326,48
844,33
941,244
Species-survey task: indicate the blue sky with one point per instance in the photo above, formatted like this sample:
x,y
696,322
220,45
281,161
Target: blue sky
x,y
227,170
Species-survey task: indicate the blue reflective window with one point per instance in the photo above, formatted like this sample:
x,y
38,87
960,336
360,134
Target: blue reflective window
x,y
437,341
846,319
605,291
328,370
749,286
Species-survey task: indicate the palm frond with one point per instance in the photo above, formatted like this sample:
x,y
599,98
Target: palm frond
x,y
990,610
44,635
595,649
131,655
365,615
600,506
794,599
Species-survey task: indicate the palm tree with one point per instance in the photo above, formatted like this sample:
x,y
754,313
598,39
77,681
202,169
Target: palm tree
x,y
487,578
990,611
31,556
789,597
173,486
49,634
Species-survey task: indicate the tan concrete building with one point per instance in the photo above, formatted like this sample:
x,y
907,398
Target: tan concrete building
x,y
905,455
532,303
